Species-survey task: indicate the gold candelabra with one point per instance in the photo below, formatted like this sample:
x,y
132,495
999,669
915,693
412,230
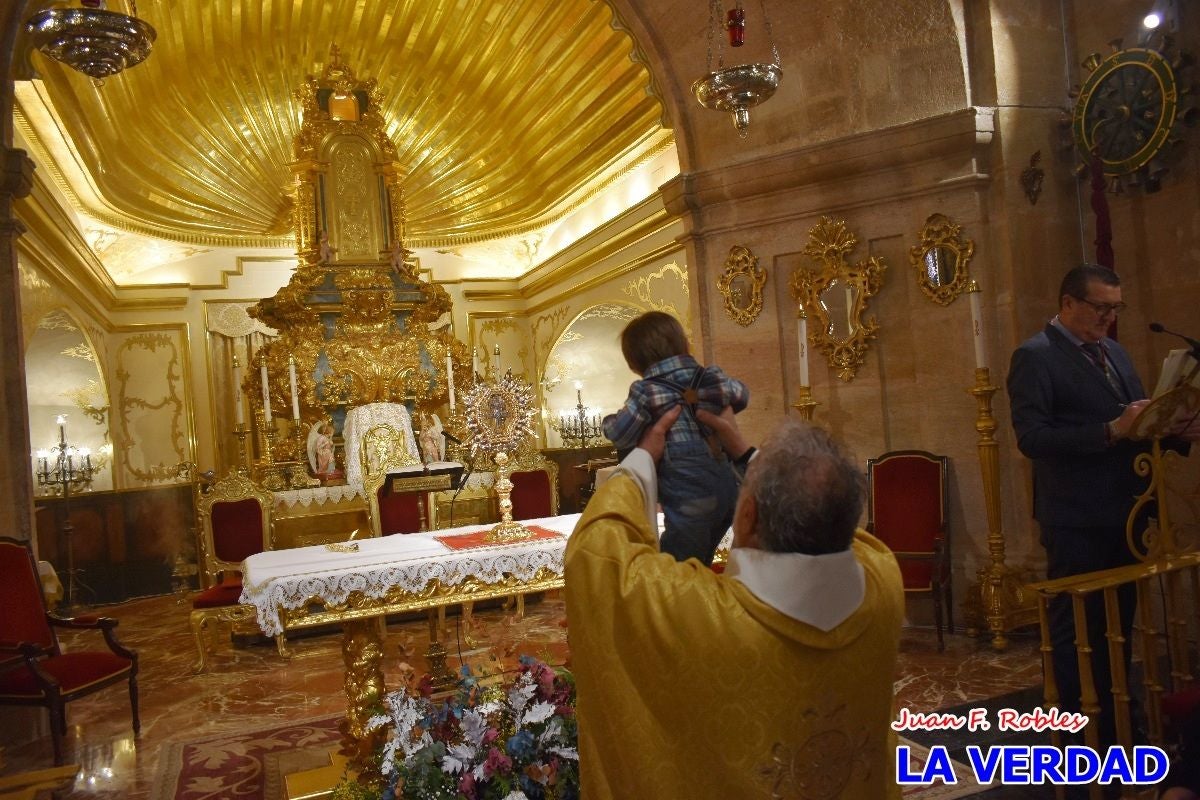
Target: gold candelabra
x,y
805,403
62,468
1006,602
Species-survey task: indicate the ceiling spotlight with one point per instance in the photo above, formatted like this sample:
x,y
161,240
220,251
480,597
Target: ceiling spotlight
x,y
1152,20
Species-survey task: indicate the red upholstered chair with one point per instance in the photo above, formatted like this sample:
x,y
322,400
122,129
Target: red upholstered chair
x,y
33,669
235,524
907,511
535,487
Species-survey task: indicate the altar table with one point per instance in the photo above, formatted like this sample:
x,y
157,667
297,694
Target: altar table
x,y
391,575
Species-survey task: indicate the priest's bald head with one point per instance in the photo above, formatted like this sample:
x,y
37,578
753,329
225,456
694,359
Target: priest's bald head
x,y
801,494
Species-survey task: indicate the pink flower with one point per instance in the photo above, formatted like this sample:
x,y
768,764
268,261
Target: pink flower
x,y
497,763
466,785
490,735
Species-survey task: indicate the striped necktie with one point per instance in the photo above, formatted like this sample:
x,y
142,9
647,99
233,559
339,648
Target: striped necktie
x,y
1095,353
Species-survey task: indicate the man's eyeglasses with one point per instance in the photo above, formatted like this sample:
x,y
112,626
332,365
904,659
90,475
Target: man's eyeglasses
x,y
1104,309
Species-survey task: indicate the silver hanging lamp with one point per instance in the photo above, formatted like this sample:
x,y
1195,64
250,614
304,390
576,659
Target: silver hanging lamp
x,y
736,89
97,42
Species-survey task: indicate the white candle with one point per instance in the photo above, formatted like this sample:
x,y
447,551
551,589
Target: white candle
x,y
295,394
977,328
61,419
266,392
239,415
450,380
475,360
803,320
496,363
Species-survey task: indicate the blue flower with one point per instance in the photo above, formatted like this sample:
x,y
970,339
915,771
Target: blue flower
x,y
520,745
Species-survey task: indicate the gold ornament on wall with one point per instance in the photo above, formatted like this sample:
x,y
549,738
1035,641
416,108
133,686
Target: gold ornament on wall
x,y
741,285
835,296
941,260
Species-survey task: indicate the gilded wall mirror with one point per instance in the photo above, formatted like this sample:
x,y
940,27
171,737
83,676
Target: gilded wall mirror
x,y
741,285
834,296
941,259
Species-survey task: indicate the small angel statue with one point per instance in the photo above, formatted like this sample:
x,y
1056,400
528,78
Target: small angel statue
x,y
320,452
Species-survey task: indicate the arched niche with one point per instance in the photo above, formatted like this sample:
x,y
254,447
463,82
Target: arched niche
x,y
63,377
588,354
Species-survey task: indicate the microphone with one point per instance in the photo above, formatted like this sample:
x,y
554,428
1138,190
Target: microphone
x,y
451,437
1157,327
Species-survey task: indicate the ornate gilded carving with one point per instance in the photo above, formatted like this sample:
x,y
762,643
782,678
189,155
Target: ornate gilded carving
x,y
941,259
645,291
170,401
741,285
835,296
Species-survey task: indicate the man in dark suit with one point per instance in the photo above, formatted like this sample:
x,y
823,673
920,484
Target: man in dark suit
x,y
1075,396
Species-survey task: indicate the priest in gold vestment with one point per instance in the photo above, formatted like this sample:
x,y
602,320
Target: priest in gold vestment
x,y
771,680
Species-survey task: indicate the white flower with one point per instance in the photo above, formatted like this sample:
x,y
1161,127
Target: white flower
x,y
552,730
566,752
474,726
516,794
540,712
458,759
519,694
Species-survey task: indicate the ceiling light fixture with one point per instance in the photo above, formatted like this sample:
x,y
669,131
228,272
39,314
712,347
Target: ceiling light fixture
x,y
92,40
1152,21
736,89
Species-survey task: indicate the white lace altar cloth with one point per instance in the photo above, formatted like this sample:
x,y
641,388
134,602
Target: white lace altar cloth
x,y
360,420
288,579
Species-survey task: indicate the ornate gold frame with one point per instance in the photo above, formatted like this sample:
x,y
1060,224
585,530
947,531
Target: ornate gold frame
x,y
742,263
829,242
941,233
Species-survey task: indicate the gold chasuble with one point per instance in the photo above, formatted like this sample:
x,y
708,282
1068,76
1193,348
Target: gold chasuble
x,y
689,686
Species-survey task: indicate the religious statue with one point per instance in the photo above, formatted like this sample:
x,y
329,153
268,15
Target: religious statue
x,y
399,265
324,248
431,440
321,453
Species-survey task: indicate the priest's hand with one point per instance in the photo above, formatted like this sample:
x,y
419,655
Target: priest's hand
x,y
654,440
726,428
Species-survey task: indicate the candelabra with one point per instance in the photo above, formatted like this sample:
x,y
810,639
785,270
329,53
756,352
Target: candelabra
x,y
62,468
580,429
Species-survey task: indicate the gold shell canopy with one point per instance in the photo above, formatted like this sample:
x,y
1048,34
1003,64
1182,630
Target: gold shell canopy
x,y
499,112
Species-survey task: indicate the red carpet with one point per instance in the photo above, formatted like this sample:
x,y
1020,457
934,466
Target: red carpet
x,y
247,766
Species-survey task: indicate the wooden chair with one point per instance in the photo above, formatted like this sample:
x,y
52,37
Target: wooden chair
x,y
907,512
235,518
34,671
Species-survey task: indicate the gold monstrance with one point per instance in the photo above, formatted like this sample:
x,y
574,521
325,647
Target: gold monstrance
x,y
498,416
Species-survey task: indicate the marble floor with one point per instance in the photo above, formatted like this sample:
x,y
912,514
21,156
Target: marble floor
x,y
250,686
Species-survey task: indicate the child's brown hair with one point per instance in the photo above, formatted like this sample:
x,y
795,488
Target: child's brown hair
x,y
650,338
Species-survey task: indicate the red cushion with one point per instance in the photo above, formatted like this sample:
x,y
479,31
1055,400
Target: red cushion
x,y
237,530
73,671
227,593
531,494
399,512
24,617
906,503
917,575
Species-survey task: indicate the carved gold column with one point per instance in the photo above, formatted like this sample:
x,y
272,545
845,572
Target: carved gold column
x,y
362,654
506,530
1005,601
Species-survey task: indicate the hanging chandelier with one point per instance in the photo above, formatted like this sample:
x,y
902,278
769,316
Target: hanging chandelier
x,y
92,40
736,89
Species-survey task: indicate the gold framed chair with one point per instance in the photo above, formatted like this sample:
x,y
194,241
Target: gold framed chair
x,y
535,486
906,510
235,521
383,450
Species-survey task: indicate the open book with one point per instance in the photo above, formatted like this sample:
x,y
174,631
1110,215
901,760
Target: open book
x,y
1179,367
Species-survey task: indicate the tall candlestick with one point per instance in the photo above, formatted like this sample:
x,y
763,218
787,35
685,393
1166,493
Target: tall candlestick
x,y
475,360
295,394
496,363
976,324
802,319
239,415
61,420
262,370
450,379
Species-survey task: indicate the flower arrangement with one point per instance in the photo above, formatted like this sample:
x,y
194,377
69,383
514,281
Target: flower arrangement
x,y
510,742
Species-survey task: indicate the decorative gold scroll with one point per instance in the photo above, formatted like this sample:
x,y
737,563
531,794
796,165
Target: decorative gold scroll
x,y
941,259
835,296
741,285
